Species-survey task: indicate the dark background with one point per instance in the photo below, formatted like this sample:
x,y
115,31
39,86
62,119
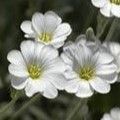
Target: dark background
x,y
81,14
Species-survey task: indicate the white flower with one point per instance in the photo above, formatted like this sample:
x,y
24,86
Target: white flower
x,y
114,115
36,68
47,28
114,49
88,69
108,7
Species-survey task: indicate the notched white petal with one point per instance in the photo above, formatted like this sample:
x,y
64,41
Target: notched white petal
x,y
19,71
63,29
15,57
27,49
18,83
84,90
105,57
106,69
100,85
26,26
33,87
50,91
110,78
57,79
72,86
51,13
106,10
38,22
55,66
47,54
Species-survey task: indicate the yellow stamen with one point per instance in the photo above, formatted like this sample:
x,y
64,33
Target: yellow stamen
x,y
87,73
45,37
117,2
34,71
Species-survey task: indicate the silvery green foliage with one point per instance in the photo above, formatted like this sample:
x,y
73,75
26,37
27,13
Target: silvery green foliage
x,y
81,14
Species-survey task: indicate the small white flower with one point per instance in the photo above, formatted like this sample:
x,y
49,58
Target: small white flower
x,y
113,115
36,68
88,69
47,28
114,49
108,7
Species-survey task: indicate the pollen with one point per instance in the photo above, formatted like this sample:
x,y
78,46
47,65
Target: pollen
x,y
34,71
45,37
87,73
117,2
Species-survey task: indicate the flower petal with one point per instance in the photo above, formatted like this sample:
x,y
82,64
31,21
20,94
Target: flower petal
x,y
72,86
38,22
38,49
106,69
114,48
58,42
100,85
55,66
115,10
27,49
34,86
26,27
15,57
52,20
58,80
67,60
19,71
106,117
69,50
63,29
18,83
81,40
110,78
70,74
115,113
104,57
84,89
99,3
47,54
50,91
106,10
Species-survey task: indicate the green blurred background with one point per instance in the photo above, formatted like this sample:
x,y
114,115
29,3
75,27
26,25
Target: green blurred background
x,y
81,14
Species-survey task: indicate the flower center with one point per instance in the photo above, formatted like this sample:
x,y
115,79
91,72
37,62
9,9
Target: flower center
x,y
117,2
87,73
34,71
45,37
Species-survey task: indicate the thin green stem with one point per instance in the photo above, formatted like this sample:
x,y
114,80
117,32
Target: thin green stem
x,y
76,108
25,106
102,23
112,29
14,95
7,107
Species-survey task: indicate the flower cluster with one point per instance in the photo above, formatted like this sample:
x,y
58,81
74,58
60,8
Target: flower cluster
x,y
84,66
114,115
